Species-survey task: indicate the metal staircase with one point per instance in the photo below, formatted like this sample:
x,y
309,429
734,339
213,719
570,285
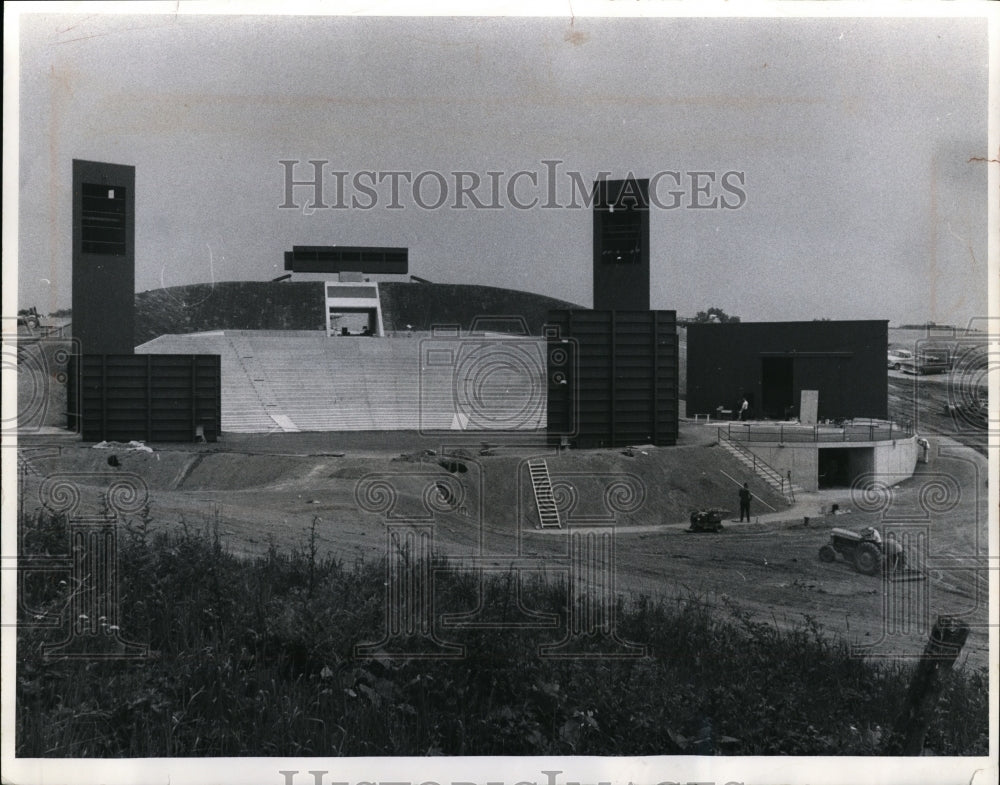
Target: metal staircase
x,y
548,513
765,471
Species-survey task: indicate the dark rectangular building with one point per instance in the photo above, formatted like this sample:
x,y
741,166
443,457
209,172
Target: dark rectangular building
x,y
151,397
621,387
771,363
347,259
103,257
621,245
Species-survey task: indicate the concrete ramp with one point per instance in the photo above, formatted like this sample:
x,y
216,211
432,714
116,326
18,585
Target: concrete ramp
x,y
305,381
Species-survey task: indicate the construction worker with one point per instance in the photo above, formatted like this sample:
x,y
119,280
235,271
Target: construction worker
x,y
893,553
745,497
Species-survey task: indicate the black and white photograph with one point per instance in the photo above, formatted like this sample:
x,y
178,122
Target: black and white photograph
x,y
536,394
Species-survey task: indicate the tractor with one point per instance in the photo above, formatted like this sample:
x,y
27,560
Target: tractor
x,y
29,318
707,520
868,554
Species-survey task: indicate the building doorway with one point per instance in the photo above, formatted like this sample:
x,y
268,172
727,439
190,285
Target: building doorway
x,y
353,309
777,396
352,321
840,467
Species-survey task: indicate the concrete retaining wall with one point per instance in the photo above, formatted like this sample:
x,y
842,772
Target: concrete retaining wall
x,y
896,459
802,460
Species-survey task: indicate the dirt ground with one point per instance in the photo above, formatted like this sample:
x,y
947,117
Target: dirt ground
x,y
263,489
480,510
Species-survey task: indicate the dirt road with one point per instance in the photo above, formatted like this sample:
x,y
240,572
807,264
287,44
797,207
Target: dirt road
x,y
924,400
480,511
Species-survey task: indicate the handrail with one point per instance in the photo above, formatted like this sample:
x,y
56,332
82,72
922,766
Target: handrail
x,y
868,432
762,467
759,465
737,483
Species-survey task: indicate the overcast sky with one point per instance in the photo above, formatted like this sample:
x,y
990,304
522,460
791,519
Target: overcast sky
x,y
847,140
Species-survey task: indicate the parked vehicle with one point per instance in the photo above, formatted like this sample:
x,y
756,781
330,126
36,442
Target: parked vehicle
x,y
926,363
897,357
707,520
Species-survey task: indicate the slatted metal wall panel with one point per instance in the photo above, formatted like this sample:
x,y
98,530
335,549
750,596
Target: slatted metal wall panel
x,y
625,386
150,397
339,259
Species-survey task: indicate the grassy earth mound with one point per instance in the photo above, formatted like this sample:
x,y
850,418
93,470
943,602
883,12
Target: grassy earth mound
x,y
299,305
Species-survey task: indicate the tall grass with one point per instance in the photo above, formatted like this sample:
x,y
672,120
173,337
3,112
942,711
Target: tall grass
x,y
256,657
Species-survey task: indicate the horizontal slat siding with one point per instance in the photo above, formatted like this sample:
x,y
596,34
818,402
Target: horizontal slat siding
x,y
626,383
150,397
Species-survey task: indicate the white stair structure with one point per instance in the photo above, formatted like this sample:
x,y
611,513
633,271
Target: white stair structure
x,y
305,381
548,512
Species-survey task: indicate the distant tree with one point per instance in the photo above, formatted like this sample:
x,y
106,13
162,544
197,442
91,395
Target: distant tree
x,y
925,326
61,313
714,315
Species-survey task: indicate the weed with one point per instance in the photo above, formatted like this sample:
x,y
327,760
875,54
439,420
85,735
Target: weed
x,y
256,657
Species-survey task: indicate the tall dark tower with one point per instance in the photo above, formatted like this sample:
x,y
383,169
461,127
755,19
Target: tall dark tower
x,y
112,392
103,257
621,245
613,377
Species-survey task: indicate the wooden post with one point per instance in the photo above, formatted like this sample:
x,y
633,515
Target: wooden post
x,y
947,639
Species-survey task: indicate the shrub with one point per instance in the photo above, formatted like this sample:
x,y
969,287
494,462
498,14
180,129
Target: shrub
x,y
257,657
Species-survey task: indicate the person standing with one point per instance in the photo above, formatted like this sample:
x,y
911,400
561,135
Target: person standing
x,y
744,409
745,497
893,552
